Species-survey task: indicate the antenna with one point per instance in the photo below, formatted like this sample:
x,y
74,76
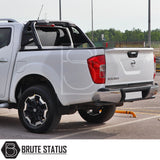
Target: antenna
x,y
40,12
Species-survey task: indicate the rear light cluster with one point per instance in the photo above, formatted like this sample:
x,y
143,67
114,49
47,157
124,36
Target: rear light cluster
x,y
154,67
97,67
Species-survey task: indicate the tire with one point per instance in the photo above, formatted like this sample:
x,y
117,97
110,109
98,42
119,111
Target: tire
x,y
37,109
97,115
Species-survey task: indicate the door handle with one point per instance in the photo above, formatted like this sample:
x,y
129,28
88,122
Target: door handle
x,y
3,60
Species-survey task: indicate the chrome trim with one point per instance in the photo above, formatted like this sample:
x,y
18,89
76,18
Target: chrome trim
x,y
153,91
117,96
108,96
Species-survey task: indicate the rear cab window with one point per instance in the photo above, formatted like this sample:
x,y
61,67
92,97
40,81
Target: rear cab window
x,y
53,36
49,38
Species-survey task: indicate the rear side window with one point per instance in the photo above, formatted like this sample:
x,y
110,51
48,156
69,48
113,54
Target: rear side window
x,y
5,37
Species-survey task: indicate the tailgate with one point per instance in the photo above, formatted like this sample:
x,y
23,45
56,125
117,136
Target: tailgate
x,y
129,65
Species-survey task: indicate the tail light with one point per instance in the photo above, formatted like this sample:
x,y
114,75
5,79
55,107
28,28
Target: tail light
x,y
97,67
154,67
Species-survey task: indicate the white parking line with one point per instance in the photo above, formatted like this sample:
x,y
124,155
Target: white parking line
x,y
106,127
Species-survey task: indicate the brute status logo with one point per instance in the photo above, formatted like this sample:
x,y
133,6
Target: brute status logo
x,y
10,150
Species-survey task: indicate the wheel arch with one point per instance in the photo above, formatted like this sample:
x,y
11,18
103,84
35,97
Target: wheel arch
x,y
30,80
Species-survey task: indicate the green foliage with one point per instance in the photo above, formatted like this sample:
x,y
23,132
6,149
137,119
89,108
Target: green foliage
x,y
112,35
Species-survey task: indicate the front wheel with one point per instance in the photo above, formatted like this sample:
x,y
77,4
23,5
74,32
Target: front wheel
x,y
97,115
37,109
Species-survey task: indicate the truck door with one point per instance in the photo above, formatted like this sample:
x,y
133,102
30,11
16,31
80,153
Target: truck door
x,y
5,57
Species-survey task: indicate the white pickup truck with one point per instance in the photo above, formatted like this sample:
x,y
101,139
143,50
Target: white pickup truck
x,y
49,69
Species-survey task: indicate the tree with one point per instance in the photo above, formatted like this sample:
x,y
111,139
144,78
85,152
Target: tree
x,y
135,35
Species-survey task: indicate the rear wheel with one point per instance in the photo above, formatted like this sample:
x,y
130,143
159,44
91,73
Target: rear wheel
x,y
97,115
37,109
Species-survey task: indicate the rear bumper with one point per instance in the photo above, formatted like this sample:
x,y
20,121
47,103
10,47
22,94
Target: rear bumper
x,y
116,96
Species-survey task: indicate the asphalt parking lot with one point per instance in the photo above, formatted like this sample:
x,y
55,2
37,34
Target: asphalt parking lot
x,y
122,126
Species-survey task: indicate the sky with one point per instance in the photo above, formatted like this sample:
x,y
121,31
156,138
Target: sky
x,y
118,14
